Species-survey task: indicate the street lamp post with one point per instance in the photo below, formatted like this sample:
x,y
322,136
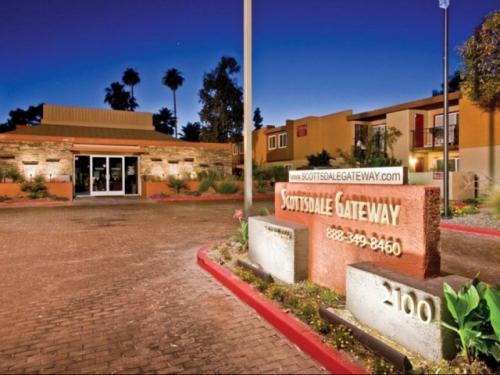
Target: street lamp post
x,y
444,4
247,104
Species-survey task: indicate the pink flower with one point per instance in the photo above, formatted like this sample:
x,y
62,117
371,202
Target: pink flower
x,y
239,214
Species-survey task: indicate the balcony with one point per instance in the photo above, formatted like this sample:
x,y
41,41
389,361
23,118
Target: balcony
x,y
433,138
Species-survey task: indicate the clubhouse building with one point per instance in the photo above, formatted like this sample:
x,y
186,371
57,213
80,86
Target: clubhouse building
x,y
105,152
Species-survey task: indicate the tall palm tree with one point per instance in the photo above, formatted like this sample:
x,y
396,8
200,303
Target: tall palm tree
x,y
173,79
131,78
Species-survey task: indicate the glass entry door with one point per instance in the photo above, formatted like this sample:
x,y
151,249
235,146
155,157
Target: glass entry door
x,y
107,175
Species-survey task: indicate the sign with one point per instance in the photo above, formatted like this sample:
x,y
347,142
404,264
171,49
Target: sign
x,y
403,309
302,131
362,176
387,225
279,247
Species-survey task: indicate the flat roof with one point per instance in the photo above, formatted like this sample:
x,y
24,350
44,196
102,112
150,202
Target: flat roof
x,y
426,103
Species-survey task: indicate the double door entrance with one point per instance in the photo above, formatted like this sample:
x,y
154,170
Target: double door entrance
x,y
106,175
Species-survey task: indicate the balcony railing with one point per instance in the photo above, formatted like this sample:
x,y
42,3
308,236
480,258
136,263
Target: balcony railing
x,y
434,137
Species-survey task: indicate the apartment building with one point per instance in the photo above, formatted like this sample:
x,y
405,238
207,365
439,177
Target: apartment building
x,y
474,140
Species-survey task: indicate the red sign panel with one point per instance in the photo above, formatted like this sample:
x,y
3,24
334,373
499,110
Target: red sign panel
x,y
301,130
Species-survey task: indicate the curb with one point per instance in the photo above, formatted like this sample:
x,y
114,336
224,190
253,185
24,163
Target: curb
x,y
474,230
296,331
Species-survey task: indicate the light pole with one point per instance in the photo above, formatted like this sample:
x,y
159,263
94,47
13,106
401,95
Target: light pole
x,y
247,104
444,4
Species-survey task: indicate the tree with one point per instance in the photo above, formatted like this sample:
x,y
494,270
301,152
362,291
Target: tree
x,y
482,74
191,132
19,116
164,121
454,82
257,119
321,159
173,79
118,98
131,78
222,105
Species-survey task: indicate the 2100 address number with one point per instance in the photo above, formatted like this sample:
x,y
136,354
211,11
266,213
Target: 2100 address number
x,y
386,246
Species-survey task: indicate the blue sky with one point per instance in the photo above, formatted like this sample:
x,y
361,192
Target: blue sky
x,y
311,57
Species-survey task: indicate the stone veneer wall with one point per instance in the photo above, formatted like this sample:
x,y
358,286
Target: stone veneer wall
x,y
54,159
160,162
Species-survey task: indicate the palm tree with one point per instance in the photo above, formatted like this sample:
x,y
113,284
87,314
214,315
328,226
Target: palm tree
x,y
131,78
118,98
173,79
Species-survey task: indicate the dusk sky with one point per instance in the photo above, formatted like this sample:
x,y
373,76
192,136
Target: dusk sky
x,y
311,57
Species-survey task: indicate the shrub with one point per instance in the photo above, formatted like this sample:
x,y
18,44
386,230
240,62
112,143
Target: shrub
x,y
261,186
277,173
4,198
476,312
35,188
227,186
14,175
307,310
210,174
277,292
205,184
177,184
321,159
493,202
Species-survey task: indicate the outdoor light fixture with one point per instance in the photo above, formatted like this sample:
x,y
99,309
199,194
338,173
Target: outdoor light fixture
x,y
444,4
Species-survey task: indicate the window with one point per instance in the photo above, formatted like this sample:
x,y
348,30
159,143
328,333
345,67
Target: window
x,y
452,119
271,142
378,138
453,165
452,130
235,149
282,140
240,148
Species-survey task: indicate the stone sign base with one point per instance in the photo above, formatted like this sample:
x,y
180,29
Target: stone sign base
x,y
279,247
404,309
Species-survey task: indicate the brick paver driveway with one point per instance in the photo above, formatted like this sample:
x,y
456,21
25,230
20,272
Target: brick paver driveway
x,y
116,289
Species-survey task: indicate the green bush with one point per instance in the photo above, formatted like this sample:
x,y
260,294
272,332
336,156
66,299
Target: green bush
x,y
4,198
210,174
476,312
261,186
177,184
227,186
493,202
277,173
14,174
205,184
35,188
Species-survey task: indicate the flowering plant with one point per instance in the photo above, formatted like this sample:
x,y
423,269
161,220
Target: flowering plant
x,y
242,235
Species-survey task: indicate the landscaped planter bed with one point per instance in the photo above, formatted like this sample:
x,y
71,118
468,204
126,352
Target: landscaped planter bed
x,y
206,197
303,300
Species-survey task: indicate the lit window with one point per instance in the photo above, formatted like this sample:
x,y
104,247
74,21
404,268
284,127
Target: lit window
x,y
271,142
282,140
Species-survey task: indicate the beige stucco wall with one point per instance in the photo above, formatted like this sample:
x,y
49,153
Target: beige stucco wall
x,y
330,132
476,159
401,120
